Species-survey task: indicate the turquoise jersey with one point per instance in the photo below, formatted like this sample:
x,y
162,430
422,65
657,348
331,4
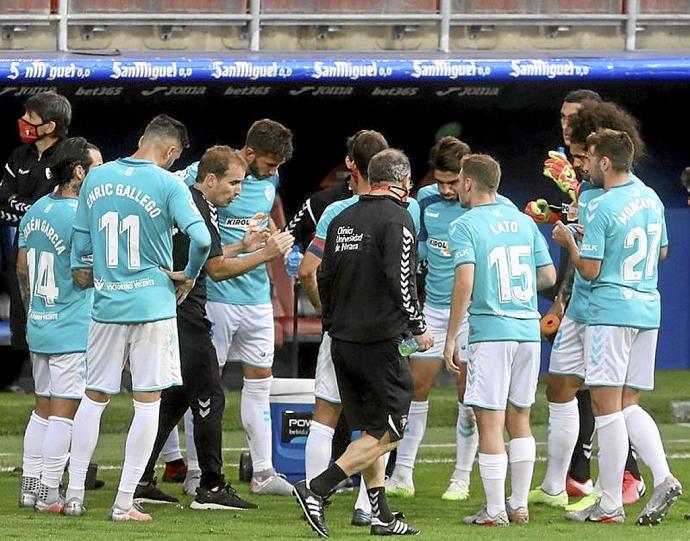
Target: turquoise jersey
x,y
128,208
505,247
437,213
256,196
625,229
60,311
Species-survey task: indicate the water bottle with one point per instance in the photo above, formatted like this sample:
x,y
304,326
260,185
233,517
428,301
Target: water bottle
x,y
293,261
561,151
408,346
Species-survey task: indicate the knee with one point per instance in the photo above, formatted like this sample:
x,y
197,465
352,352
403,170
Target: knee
x,y
98,396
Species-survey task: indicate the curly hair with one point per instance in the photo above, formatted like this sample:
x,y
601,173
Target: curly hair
x,y
594,115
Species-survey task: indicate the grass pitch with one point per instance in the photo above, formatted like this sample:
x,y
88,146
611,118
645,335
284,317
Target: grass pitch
x,y
279,518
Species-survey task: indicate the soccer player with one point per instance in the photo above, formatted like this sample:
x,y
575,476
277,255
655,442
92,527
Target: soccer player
x,y
362,147
566,366
501,260
219,176
25,179
58,315
127,210
624,239
240,308
368,294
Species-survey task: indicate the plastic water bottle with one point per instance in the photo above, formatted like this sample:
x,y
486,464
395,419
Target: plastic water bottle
x,y
561,151
408,346
293,261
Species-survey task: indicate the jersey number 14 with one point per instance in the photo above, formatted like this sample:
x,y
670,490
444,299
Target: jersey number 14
x,y
42,279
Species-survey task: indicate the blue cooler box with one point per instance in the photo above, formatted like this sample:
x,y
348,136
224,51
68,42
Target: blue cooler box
x,y
292,407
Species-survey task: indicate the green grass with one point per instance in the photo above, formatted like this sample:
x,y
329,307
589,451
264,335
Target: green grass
x,y
278,518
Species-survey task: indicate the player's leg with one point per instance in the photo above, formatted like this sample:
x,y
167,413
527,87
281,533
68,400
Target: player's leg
x,y
155,364
193,477
488,384
327,410
424,373
425,367
607,353
107,351
34,434
566,375
253,344
67,384
643,431
467,437
522,449
175,467
579,480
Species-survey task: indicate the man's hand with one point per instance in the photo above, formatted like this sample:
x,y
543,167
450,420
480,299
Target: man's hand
x,y
424,340
562,235
560,170
278,245
83,277
450,356
254,239
183,284
540,212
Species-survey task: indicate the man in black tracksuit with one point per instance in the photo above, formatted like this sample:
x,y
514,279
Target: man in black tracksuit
x,y
369,304
221,171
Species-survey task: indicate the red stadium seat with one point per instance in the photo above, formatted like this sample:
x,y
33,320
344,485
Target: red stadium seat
x,y
349,6
665,6
26,6
493,6
582,6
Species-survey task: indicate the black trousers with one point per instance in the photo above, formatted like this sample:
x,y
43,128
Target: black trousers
x,y
202,391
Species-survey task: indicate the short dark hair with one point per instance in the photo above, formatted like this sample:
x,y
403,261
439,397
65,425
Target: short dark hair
x,y
51,107
484,170
389,165
605,114
217,160
447,154
363,146
167,127
68,154
268,137
580,95
685,178
615,145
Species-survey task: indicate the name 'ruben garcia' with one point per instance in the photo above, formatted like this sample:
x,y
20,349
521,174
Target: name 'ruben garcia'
x,y
124,190
36,224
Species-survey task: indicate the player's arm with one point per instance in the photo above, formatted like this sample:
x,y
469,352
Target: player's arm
x,y
546,276
23,278
224,267
81,259
588,267
459,302
663,253
307,272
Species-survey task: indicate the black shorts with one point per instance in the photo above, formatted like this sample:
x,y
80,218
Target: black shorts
x,y
375,385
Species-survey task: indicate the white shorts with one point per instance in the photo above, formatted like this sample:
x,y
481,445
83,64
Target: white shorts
x,y
242,333
502,372
152,350
62,375
568,351
620,356
437,323
325,382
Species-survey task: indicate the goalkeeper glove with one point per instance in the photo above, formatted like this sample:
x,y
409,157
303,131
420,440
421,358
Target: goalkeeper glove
x,y
561,171
540,212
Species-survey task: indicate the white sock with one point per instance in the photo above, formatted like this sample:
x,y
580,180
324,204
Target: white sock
x,y
644,435
87,424
56,450
363,502
140,440
256,420
613,452
467,441
522,453
171,447
190,446
493,470
317,453
412,439
564,427
34,435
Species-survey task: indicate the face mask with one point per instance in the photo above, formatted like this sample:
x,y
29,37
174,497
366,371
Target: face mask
x,y
402,193
28,132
